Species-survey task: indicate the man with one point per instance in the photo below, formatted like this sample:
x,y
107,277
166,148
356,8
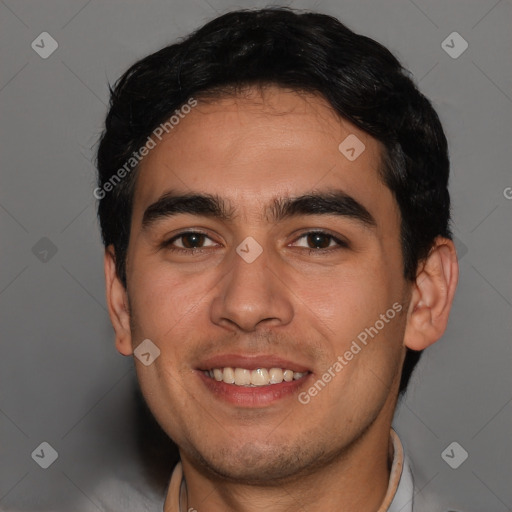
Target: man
x,y
274,207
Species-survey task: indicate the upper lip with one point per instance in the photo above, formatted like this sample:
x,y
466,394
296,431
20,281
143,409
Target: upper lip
x,y
251,362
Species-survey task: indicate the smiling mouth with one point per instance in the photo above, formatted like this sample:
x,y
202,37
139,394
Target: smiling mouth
x,y
253,378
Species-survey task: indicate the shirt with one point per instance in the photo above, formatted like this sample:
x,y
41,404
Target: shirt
x,y
399,496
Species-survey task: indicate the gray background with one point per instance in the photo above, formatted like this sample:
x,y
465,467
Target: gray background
x,y
61,379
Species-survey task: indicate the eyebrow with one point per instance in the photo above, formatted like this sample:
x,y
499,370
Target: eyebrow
x,y
335,202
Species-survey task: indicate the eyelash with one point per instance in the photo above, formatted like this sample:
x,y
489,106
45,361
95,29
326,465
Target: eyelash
x,y
341,244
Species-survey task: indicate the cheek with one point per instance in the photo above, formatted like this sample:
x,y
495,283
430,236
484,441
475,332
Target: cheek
x,y
347,300
162,298
363,320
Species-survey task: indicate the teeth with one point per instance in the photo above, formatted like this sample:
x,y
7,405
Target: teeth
x,y
253,378
275,375
259,377
287,375
242,377
228,375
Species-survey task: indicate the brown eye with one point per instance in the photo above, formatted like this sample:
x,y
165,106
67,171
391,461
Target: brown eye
x,y
188,241
192,240
319,240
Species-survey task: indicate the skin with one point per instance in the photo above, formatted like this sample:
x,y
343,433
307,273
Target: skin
x,y
305,306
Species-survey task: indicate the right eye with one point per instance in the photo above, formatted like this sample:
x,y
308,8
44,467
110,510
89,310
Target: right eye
x,y
188,241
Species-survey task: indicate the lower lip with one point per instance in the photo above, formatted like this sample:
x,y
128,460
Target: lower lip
x,y
252,396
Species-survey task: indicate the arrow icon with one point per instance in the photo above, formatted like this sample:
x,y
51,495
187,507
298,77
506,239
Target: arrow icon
x,y
451,455
44,455
44,45
44,250
454,455
351,147
147,352
249,249
454,45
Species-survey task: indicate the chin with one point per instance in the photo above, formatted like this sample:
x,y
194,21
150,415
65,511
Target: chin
x,y
259,464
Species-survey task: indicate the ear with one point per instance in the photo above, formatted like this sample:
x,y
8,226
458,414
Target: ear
x,y
117,301
432,296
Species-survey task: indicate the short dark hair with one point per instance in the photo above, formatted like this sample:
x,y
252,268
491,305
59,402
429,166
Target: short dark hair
x,y
306,52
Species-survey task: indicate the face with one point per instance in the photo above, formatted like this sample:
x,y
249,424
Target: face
x,y
289,262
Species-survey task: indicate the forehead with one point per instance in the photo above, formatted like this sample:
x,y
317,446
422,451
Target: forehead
x,y
261,144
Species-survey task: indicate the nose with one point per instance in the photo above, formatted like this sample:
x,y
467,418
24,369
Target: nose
x,y
252,295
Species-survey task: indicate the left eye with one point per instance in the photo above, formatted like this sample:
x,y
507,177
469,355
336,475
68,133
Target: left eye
x,y
320,240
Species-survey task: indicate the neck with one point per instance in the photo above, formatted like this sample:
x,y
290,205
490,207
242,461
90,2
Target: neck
x,y
357,479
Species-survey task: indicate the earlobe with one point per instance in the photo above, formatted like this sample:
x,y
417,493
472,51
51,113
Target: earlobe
x,y
117,302
432,296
